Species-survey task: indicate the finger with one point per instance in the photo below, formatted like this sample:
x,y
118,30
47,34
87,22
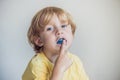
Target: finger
x,y
62,48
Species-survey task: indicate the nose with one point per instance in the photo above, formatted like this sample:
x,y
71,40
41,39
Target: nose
x,y
59,32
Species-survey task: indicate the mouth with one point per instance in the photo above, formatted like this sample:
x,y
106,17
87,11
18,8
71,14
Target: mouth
x,y
60,41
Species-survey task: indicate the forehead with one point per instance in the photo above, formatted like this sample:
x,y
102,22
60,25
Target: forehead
x,y
57,19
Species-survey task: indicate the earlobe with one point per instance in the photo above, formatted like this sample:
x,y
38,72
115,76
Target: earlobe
x,y
38,42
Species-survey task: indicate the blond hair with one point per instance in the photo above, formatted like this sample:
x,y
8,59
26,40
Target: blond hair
x,y
42,18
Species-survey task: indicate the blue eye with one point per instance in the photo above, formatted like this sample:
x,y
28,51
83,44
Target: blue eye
x,y
48,29
64,26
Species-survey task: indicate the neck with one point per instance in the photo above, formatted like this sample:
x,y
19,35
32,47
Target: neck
x,y
51,56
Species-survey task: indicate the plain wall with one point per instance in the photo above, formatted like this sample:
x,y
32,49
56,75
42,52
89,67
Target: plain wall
x,y
97,38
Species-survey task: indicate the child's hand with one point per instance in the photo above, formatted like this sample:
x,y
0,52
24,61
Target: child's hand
x,y
63,62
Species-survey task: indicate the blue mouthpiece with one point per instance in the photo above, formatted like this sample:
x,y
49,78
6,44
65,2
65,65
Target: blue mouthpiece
x,y
60,41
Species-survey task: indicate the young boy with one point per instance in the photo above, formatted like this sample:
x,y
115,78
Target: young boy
x,y
51,34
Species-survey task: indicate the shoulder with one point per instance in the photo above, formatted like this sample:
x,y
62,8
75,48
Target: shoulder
x,y
37,64
73,56
78,67
76,60
36,67
38,60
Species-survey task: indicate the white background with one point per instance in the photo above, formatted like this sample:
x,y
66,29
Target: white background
x,y
97,39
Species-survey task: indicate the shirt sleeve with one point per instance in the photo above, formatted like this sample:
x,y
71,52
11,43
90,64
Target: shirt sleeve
x,y
36,70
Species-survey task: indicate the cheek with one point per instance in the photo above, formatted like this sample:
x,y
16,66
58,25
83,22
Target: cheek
x,y
69,32
48,39
44,39
69,37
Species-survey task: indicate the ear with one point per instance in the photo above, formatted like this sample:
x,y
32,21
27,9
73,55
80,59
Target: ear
x,y
38,41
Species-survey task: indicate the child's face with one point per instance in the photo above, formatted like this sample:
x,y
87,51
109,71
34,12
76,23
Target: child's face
x,y
53,31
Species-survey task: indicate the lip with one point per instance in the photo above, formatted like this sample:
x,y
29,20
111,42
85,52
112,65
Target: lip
x,y
60,38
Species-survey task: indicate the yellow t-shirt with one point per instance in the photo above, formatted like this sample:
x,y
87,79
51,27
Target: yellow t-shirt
x,y
40,68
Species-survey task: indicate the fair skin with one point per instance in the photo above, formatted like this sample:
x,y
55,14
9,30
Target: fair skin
x,y
56,53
